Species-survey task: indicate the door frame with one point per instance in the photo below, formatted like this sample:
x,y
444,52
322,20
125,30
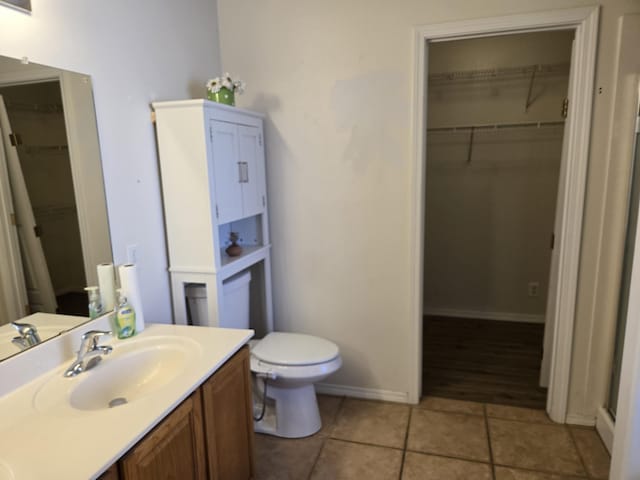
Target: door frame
x,y
584,21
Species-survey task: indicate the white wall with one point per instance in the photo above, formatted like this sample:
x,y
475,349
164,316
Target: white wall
x,y
488,222
335,79
135,52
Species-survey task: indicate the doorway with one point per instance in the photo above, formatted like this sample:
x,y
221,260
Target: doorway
x,y
572,180
494,146
54,272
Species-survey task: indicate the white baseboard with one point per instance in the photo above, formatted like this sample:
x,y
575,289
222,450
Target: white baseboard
x,y
502,316
582,420
605,428
365,393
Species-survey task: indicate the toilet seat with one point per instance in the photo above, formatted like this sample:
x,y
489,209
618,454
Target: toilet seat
x,y
294,350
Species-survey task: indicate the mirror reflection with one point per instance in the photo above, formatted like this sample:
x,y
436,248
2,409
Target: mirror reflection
x,y
53,222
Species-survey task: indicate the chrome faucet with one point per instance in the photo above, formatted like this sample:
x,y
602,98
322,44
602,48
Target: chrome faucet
x,y
90,353
28,335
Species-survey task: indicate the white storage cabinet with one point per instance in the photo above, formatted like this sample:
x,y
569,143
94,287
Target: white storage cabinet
x,y
212,166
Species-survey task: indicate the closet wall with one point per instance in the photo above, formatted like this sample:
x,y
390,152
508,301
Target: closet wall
x,y
491,190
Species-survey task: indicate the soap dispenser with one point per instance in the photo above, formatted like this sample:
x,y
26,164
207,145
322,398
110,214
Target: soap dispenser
x,y
95,304
125,317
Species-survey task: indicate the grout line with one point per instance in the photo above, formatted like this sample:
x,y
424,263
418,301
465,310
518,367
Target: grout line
x,y
315,461
486,426
327,436
451,457
577,476
334,420
356,442
447,411
406,441
528,422
575,444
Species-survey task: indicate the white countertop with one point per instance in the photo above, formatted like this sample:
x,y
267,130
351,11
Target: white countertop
x,y
48,325
51,440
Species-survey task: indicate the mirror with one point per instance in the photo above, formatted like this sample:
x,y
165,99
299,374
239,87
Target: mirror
x,y
53,216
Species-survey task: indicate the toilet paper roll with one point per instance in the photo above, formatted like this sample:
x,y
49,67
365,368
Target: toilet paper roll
x,y
131,289
107,284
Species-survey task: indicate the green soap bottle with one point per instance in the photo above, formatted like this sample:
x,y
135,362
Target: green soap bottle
x,y
125,317
95,306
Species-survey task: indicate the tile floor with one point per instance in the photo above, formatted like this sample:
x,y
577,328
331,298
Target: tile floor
x,y
439,439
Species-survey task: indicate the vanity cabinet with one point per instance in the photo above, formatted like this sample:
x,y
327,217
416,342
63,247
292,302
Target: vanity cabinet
x,y
208,436
228,420
174,449
212,169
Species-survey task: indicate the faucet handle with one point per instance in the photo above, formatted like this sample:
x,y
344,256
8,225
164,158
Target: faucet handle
x,y
91,338
23,328
28,332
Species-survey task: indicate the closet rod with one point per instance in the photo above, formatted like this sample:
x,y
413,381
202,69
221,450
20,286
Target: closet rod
x,y
35,107
45,148
497,126
494,73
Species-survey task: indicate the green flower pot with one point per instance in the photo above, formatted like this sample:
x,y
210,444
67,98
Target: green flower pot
x,y
225,96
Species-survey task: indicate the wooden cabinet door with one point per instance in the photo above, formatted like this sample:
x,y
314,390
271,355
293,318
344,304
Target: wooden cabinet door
x,y
172,450
226,171
252,162
112,473
228,420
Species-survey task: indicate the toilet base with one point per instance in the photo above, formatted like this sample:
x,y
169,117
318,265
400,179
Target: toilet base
x,y
291,412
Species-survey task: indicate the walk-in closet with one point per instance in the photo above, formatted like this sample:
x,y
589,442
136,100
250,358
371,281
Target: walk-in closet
x,y
40,180
496,111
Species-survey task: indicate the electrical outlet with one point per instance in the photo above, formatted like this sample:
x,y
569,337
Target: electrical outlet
x,y
533,289
132,253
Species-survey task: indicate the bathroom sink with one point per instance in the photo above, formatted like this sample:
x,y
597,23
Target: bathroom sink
x,y
135,370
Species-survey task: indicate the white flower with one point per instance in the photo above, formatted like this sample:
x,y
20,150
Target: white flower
x,y
238,86
215,84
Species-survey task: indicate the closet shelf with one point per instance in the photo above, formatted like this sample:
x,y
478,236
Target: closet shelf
x,y
495,127
501,73
44,148
35,107
472,129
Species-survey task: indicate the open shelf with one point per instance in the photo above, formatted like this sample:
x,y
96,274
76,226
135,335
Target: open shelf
x,y
251,254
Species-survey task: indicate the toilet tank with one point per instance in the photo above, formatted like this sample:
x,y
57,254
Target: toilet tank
x,y
235,311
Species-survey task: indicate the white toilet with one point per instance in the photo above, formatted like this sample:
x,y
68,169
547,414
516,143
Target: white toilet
x,y
286,364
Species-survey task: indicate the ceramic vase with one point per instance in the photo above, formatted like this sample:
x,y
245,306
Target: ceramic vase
x,y
224,95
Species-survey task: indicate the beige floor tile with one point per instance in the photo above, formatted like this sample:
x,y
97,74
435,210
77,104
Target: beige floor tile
x,y
593,452
451,405
548,448
505,473
353,461
329,407
285,459
377,423
518,413
418,466
450,434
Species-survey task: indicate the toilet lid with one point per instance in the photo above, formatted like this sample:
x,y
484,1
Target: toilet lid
x,y
294,349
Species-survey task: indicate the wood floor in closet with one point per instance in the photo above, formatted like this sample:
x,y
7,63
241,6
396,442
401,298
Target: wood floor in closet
x,y
483,360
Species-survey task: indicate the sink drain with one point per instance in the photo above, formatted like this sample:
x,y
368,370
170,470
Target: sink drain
x,y
117,401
